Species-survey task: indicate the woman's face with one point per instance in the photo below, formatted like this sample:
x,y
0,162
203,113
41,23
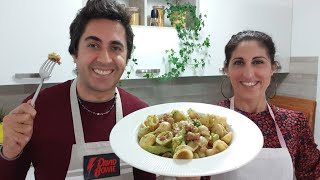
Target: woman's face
x,y
250,70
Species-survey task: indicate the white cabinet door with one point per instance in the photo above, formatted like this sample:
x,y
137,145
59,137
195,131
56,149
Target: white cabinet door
x,y
151,43
30,30
226,18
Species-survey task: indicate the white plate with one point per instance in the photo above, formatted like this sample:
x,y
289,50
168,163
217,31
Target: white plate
x,y
246,144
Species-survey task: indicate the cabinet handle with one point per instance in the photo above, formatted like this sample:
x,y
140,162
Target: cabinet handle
x,y
26,75
145,71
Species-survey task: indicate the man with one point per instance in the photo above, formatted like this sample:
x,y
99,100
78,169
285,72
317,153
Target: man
x,y
68,129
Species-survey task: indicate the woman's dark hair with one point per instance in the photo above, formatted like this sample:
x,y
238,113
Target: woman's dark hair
x,y
248,35
100,9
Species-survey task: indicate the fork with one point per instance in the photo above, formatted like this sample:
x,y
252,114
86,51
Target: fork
x,y
44,72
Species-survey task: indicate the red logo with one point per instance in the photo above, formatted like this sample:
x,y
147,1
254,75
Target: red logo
x,y
91,164
103,165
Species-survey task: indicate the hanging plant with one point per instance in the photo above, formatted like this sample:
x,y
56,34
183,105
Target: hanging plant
x,y
132,62
193,48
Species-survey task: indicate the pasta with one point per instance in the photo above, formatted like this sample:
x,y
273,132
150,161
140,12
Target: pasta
x,y
184,136
54,57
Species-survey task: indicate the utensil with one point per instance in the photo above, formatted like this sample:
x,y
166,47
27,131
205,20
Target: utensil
x,y
44,72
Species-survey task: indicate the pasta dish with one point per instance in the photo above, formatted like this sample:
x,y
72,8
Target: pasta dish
x,y
184,136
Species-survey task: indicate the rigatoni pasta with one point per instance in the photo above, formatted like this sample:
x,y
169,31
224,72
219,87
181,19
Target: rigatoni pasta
x,y
184,136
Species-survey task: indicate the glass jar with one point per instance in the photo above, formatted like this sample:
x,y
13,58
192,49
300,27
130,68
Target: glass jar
x,y
134,12
154,20
160,14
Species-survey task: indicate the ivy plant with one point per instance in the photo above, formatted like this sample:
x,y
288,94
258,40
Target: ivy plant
x,y
193,50
132,62
130,66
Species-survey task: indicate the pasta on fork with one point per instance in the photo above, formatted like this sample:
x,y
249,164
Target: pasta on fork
x,y
54,57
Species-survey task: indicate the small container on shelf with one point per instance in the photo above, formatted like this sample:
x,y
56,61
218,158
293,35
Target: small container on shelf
x,y
134,11
160,14
154,21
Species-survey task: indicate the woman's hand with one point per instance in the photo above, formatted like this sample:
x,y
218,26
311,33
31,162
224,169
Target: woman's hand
x,y
188,178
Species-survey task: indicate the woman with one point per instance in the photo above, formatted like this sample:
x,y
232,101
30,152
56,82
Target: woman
x,y
289,149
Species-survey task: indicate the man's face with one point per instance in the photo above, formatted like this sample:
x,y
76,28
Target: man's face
x,y
101,57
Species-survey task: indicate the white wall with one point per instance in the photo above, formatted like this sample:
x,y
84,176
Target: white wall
x,y
30,30
306,40
30,33
228,17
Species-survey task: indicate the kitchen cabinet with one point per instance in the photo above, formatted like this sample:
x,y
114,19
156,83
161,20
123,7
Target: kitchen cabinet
x,y
145,7
151,43
32,29
226,18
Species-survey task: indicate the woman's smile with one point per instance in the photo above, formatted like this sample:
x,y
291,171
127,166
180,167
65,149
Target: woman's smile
x,y
249,83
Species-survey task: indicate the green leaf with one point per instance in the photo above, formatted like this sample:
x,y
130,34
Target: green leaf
x,y
190,41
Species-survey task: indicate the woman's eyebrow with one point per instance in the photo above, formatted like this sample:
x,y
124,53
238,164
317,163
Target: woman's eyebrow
x,y
259,57
237,58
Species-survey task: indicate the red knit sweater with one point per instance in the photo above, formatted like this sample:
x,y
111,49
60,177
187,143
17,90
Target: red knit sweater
x,y
297,135
49,149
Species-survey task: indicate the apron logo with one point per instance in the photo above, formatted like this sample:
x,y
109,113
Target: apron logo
x,y
101,166
91,164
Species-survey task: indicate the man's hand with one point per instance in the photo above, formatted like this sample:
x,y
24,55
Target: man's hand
x,y
17,129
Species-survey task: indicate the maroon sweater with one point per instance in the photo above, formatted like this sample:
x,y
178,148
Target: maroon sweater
x,y
296,133
49,149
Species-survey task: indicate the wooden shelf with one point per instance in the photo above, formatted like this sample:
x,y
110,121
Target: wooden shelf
x,y
145,7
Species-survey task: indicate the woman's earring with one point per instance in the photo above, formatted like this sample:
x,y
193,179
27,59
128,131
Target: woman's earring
x,y
273,81
221,87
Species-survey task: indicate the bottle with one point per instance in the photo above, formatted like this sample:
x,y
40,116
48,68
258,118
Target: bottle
x,y
154,18
160,14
